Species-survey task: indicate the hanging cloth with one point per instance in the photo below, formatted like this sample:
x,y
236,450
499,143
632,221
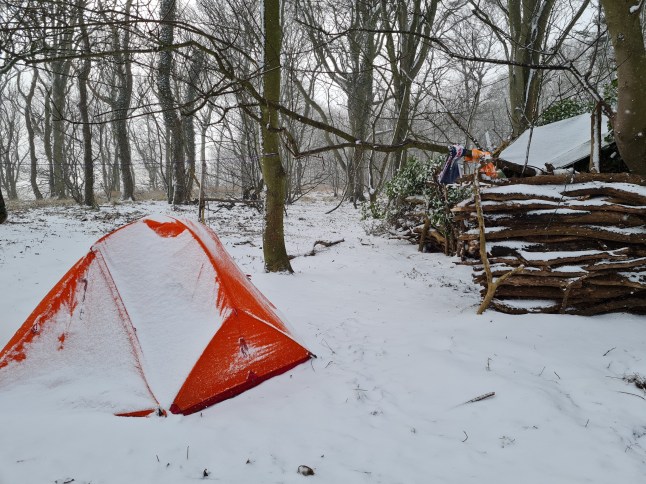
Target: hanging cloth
x,y
451,170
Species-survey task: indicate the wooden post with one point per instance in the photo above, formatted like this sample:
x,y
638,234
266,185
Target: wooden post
x,y
492,284
595,140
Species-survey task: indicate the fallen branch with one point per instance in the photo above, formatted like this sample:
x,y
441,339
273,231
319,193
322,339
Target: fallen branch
x,y
324,243
232,201
481,397
634,395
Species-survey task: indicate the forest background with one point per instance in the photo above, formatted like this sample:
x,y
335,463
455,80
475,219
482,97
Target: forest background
x,y
239,97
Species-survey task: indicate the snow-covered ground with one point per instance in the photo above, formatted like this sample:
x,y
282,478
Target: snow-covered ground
x,y
399,348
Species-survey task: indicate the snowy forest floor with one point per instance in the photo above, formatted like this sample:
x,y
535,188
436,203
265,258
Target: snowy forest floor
x,y
399,348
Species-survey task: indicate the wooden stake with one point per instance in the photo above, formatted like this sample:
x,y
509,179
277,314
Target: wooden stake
x,y
423,235
491,284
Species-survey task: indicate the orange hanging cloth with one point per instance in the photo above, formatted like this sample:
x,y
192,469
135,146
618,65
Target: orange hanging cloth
x,y
479,156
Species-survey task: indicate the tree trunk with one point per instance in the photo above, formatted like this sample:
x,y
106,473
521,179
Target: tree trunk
x,y
104,155
47,143
123,71
125,152
60,75
274,250
29,125
359,89
171,119
628,41
528,25
3,209
203,129
188,118
406,56
84,75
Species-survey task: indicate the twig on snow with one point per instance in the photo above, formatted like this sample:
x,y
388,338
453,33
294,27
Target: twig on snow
x,y
480,397
329,347
324,243
312,252
633,394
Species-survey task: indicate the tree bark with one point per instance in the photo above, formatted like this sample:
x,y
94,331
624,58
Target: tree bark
x,y
60,75
29,125
171,119
3,209
274,250
628,41
351,66
406,56
188,118
528,24
84,75
360,92
122,107
47,144
204,126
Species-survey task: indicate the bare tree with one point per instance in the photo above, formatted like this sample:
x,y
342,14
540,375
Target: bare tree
x,y
83,76
531,33
406,20
191,92
349,61
275,252
11,129
173,122
58,31
47,136
29,126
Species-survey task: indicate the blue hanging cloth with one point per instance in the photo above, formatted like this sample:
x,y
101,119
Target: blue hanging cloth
x,y
451,170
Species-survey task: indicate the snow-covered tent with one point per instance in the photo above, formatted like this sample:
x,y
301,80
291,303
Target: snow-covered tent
x,y
560,144
156,316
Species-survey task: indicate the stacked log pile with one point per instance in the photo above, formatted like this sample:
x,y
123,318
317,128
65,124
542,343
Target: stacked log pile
x,y
412,223
581,240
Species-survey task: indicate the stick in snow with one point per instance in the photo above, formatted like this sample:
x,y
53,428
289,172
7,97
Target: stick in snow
x,y
324,243
481,397
633,394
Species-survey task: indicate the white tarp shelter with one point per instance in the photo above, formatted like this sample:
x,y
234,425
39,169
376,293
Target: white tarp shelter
x,y
560,144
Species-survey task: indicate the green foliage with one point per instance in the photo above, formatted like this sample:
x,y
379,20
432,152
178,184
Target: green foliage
x,y
564,109
610,92
412,178
376,210
415,179
567,108
440,204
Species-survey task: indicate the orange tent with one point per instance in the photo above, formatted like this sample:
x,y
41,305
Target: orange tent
x,y
156,316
